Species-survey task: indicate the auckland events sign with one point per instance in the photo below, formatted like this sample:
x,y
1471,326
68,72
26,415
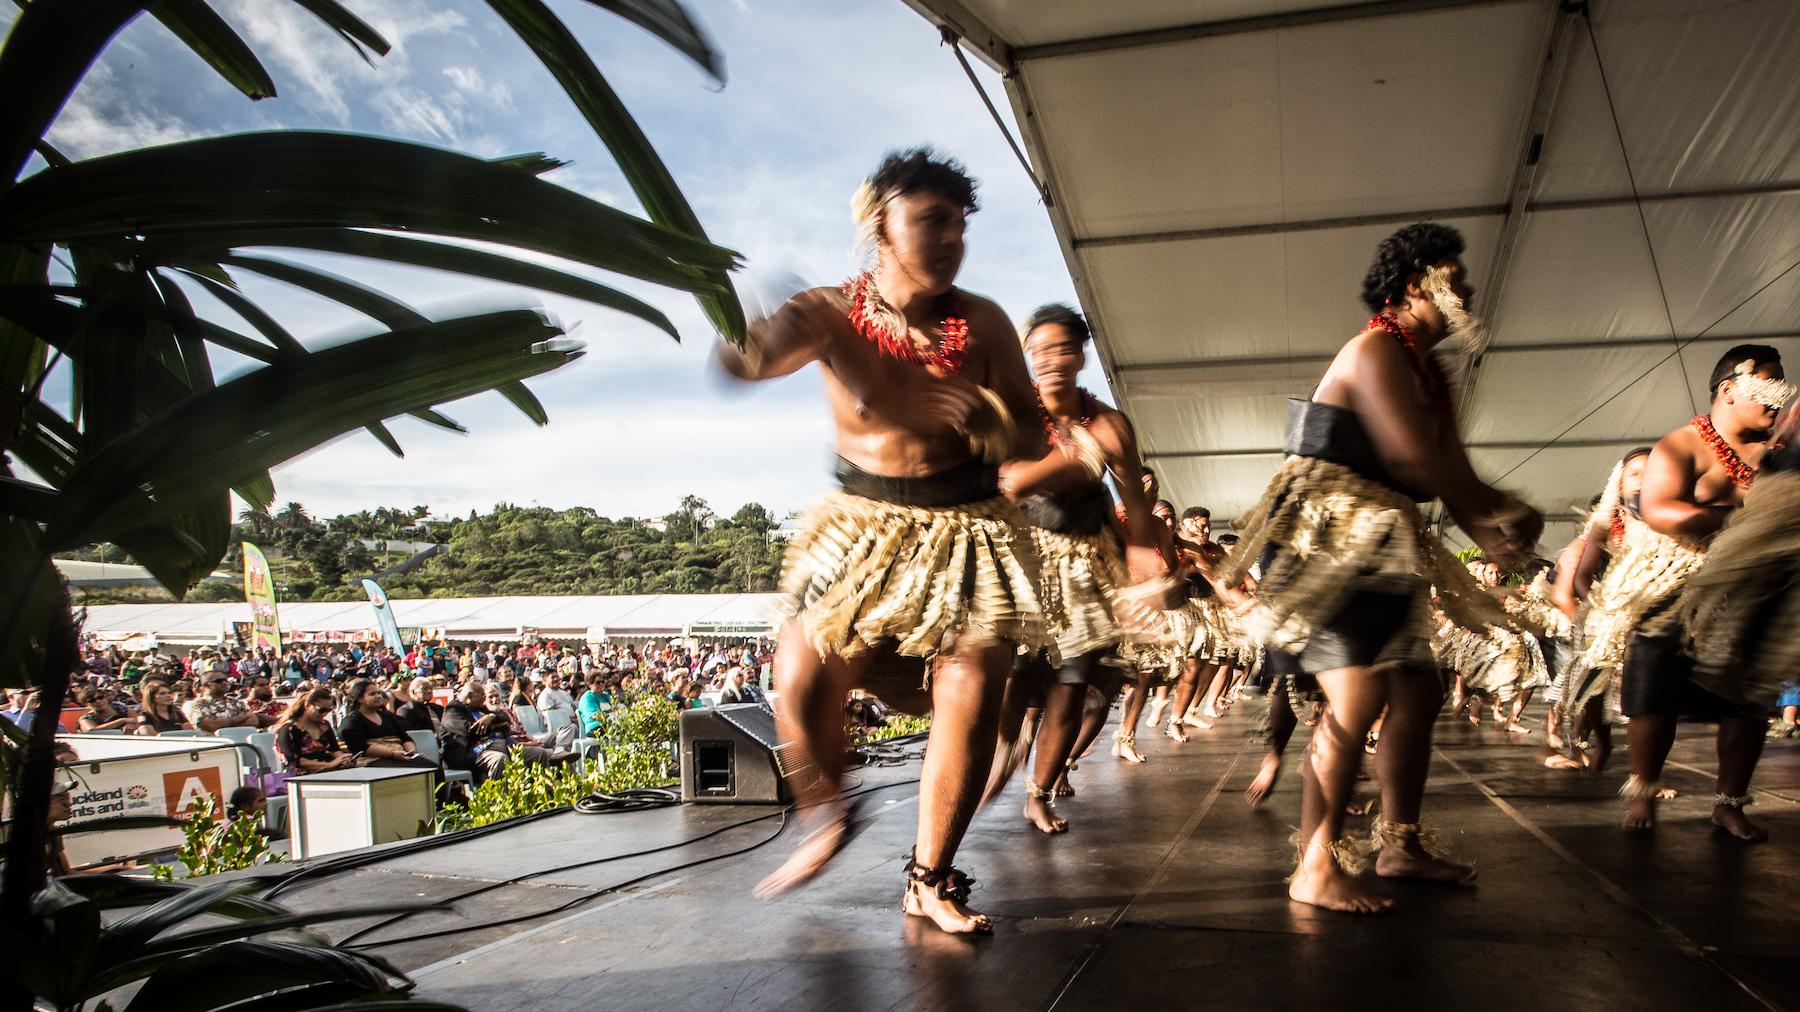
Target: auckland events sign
x,y
259,590
133,775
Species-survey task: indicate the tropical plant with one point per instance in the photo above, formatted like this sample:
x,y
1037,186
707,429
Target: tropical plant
x,y
897,725
66,954
100,258
210,845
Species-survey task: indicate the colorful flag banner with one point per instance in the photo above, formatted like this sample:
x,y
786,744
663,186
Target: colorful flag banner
x,y
259,590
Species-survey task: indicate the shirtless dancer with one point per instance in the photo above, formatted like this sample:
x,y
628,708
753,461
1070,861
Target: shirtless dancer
x,y
1696,477
925,382
1349,561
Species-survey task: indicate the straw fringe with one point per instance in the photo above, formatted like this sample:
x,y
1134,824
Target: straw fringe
x,y
866,574
1740,608
1342,532
1082,577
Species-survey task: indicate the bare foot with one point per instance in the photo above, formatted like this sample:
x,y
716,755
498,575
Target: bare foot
x,y
1174,732
1733,821
1602,751
1410,860
1330,888
1128,752
1640,815
1201,722
1157,706
1553,739
811,857
1563,762
950,915
1039,813
1063,788
1260,788
1665,793
1360,808
1514,727
1475,716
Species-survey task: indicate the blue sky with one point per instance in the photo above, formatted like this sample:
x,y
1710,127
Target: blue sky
x,y
817,92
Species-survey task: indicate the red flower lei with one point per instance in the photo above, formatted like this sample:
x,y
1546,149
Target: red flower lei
x,y
951,348
1089,408
1618,525
1435,390
1741,474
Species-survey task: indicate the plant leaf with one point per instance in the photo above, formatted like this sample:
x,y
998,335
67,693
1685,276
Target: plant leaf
x,y
214,41
240,304
348,26
389,311
535,162
447,257
386,438
670,22
183,549
442,421
209,441
563,55
307,179
526,402
126,936
235,971
48,49
259,491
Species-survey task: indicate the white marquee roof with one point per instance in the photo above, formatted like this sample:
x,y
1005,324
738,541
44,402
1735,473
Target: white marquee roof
x,y
624,615
1220,172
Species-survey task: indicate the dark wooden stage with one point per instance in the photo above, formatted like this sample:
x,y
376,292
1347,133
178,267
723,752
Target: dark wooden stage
x,y
1166,894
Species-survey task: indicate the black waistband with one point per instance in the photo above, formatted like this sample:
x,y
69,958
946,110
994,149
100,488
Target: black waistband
x,y
970,482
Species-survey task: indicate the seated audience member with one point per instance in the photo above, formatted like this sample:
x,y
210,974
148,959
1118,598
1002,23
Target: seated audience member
x,y
159,714
419,713
218,708
370,731
481,741
594,703
21,708
101,715
304,740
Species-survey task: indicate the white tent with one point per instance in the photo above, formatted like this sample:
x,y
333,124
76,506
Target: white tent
x,y
1219,174
598,616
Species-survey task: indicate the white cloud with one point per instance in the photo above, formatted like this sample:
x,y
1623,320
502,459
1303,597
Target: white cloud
x,y
103,116
414,113
470,80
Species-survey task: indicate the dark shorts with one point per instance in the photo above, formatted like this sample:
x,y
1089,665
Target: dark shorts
x,y
1085,669
1657,681
1372,627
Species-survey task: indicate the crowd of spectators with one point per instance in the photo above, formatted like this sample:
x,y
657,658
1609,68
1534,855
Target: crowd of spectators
x,y
331,706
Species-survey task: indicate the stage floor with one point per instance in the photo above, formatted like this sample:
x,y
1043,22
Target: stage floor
x,y
1166,893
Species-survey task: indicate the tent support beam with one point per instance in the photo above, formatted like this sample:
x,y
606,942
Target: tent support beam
x,y
975,33
1238,26
1146,369
1512,444
1779,188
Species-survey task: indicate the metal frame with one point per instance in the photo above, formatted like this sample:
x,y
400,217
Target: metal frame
x,y
1238,26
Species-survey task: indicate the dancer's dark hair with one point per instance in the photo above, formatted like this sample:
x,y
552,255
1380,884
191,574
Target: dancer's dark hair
x,y
1057,314
922,170
1757,354
1405,255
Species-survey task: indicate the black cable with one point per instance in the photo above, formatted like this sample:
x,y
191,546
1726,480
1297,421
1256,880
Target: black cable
x,y
783,815
951,39
1587,18
639,799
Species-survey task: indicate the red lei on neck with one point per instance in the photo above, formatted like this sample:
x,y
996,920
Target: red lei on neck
x,y
952,348
1436,390
1089,408
1740,473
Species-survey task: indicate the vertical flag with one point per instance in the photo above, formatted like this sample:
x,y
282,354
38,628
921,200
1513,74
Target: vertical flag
x,y
259,590
384,616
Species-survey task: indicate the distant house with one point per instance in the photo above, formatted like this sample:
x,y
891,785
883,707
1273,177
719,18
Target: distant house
x,y
659,526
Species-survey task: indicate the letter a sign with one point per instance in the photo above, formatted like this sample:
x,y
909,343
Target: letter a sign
x,y
181,787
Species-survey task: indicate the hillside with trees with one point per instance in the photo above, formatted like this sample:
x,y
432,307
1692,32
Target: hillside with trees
x,y
509,550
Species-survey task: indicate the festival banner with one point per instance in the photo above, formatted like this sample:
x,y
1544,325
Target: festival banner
x,y
384,616
259,590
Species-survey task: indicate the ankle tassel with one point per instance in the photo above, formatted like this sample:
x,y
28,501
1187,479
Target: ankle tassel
x,y
1124,738
1636,788
945,883
1385,834
1033,790
1737,801
1349,853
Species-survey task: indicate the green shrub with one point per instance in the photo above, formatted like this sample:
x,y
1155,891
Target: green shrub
x,y
209,848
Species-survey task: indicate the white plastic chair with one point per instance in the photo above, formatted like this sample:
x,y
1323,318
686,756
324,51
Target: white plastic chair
x,y
427,744
185,733
239,735
531,720
554,722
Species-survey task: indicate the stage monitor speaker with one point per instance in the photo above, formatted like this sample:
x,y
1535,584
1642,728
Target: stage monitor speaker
x,y
731,755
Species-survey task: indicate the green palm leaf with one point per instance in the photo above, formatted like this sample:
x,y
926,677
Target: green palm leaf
x,y
214,41
561,53
240,970
303,179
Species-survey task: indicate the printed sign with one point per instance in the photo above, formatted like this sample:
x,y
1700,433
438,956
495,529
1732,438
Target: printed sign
x,y
259,590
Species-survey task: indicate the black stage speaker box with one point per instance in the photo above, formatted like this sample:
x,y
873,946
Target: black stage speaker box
x,y
730,755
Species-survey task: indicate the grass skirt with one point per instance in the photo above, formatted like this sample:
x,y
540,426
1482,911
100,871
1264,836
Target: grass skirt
x,y
865,575
1082,576
1339,533
1645,575
1741,608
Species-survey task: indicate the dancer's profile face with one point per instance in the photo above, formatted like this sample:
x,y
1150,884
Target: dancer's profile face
x,y
1751,412
922,234
1150,486
1631,479
1055,355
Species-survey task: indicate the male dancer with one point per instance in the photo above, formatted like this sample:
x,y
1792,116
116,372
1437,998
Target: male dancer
x,y
924,381
1349,562
1696,477
1085,590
